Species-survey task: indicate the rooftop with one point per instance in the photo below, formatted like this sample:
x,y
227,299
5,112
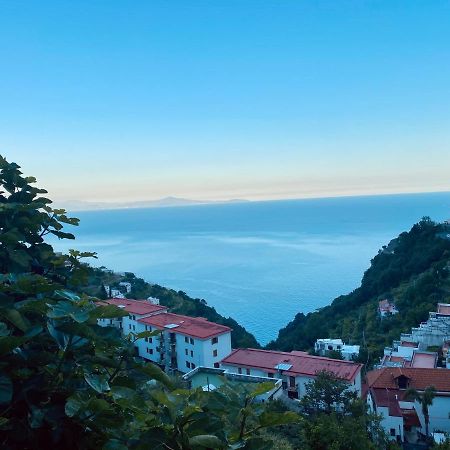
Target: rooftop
x,y
191,326
300,363
443,309
424,360
139,307
419,378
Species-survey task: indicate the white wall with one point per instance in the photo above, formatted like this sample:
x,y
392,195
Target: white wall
x,y
439,414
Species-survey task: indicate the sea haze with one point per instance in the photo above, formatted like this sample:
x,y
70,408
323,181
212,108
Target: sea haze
x,y
259,262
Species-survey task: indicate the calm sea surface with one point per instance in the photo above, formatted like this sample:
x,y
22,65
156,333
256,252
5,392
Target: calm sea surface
x,y
259,262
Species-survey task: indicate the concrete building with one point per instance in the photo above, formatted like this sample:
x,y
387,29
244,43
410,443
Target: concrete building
x,y
136,309
295,369
184,342
385,392
348,352
181,344
386,308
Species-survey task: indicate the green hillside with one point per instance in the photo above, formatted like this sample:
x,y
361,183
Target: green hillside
x,y
412,270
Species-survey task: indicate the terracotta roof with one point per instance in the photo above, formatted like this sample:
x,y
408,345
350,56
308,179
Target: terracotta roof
x,y
388,398
419,378
424,360
139,307
444,309
301,363
409,344
191,326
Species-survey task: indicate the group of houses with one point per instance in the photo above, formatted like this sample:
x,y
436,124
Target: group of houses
x,y
201,351
184,344
417,361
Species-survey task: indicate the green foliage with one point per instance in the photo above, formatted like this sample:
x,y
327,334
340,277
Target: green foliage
x,y
412,270
67,383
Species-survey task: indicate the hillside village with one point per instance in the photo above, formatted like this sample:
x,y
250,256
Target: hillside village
x,y
201,351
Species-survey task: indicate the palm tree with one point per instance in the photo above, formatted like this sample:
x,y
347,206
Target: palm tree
x,y
425,399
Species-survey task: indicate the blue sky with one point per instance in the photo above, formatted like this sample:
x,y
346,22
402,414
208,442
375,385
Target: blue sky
x,y
113,100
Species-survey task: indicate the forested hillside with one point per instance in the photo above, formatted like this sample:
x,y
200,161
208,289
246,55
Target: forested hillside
x,y
412,270
177,301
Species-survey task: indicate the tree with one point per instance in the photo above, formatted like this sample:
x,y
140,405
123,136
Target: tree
x,y
326,393
66,382
425,399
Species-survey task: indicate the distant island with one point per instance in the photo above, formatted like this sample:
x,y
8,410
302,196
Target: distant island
x,y
81,205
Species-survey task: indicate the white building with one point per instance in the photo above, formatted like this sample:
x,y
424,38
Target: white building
x,y
386,308
402,417
136,309
126,285
348,352
183,343
295,369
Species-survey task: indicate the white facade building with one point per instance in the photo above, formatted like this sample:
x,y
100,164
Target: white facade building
x,y
348,352
295,369
181,343
402,417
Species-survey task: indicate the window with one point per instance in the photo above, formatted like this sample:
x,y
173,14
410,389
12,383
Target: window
x,y
110,322
192,341
216,365
186,339
192,354
214,340
150,351
192,366
129,326
239,370
188,364
134,327
215,353
148,328
392,431
186,351
247,371
150,340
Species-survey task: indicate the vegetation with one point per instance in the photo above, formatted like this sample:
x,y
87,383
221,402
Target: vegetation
x,y
413,271
425,400
66,382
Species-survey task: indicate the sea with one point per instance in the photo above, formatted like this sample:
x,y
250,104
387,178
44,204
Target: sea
x,y
258,262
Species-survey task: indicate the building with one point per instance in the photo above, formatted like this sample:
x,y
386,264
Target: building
x,y
348,352
386,308
126,285
136,309
295,369
181,344
210,379
385,391
184,342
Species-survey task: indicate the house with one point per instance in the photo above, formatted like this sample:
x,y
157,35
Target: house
x,y
295,369
185,342
386,308
136,309
182,343
385,391
126,285
348,352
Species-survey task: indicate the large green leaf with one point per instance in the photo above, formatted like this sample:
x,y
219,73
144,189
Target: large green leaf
x,y
98,382
206,441
6,389
155,373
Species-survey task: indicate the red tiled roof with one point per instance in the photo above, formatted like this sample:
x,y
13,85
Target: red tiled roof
x,y
388,398
302,363
424,360
410,418
139,307
444,309
419,378
190,326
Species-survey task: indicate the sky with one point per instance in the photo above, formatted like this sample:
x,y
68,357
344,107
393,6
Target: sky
x,y
258,99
